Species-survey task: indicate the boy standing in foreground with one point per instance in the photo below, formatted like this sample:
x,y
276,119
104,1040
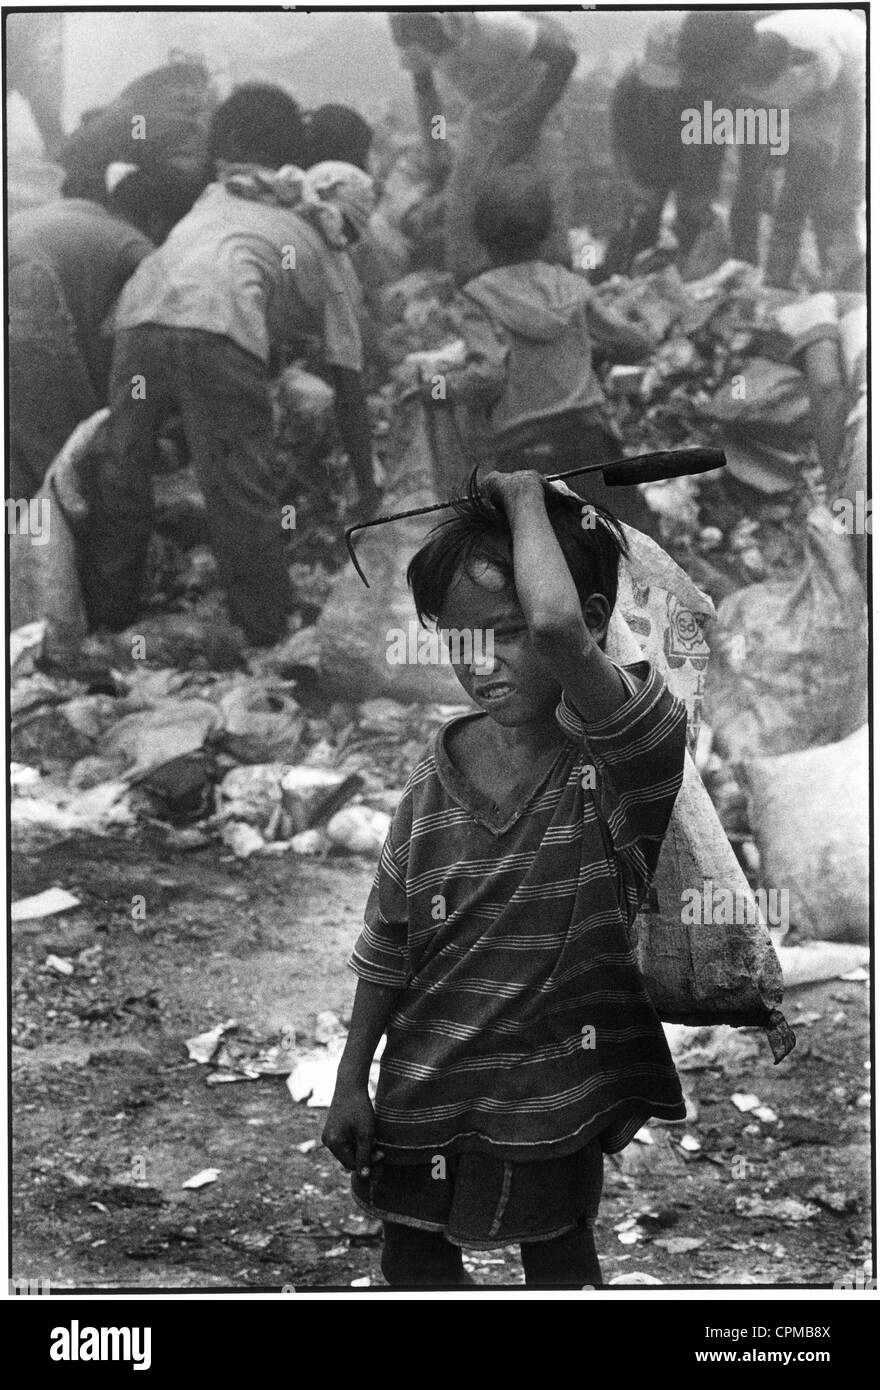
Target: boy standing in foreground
x,y
521,1043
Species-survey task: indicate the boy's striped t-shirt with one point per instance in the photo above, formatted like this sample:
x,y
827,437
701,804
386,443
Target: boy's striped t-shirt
x,y
523,1028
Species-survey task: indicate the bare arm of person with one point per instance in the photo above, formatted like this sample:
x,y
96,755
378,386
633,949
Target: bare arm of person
x,y
564,634
559,61
348,1132
353,418
828,405
428,107
427,102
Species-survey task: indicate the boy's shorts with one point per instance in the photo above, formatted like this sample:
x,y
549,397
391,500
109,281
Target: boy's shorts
x,y
480,1201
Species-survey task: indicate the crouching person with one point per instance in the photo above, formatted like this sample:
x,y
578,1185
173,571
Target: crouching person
x,y
67,263
521,1043
259,265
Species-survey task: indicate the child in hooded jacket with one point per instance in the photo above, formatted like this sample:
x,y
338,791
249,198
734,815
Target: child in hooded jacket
x,y
529,381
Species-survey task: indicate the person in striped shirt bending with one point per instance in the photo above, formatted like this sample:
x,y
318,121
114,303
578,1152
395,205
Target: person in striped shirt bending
x,y
521,1044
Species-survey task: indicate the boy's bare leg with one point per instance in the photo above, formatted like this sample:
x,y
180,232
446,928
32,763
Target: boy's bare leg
x,y
424,1259
567,1261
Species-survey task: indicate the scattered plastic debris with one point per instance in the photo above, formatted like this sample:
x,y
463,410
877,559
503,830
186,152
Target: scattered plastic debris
x,y
242,839
745,1103
328,1027
361,1230
20,775
153,737
841,1203
205,1046
787,1209
25,645
635,1278
310,842
202,1178
60,964
313,1077
814,961
44,904
95,811
679,1245
261,722
359,829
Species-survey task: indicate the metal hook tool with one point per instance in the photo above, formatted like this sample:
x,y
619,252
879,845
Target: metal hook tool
x,y
640,468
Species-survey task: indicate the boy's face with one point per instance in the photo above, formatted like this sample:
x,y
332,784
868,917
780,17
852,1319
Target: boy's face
x,y
504,676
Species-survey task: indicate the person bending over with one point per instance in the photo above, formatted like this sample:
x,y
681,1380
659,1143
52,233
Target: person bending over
x,y
258,267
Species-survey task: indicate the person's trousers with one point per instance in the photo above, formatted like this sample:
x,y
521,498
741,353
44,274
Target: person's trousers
x,y
222,396
831,202
413,1258
754,165
570,440
646,131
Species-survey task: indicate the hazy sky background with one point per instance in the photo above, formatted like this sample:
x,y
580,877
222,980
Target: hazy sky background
x,y
321,56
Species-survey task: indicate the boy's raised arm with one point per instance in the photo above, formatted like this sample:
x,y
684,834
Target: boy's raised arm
x,y
562,633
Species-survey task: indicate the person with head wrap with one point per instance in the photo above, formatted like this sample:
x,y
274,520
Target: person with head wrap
x,y
340,198
257,272
510,69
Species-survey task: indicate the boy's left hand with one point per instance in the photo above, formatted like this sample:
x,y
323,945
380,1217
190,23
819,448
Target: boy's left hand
x,y
507,489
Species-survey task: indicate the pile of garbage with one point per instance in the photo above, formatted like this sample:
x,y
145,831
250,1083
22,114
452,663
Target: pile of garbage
x,y
785,697
205,754
305,747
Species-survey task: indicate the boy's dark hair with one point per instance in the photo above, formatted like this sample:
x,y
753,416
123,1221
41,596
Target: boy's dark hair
x,y
513,214
591,539
153,201
339,132
258,124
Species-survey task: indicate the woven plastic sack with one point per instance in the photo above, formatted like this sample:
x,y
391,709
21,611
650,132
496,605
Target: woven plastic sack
x,y
44,578
790,668
357,630
262,723
763,394
822,862
717,971
666,613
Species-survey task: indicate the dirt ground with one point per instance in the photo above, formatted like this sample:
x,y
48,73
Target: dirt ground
x,y
111,1118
